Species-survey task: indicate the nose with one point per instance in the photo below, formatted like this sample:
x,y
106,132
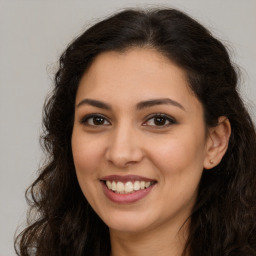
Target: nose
x,y
125,147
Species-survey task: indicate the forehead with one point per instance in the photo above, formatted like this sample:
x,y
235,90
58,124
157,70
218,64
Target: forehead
x,y
135,74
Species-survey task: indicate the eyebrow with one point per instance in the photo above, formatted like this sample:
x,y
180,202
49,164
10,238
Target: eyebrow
x,y
139,106
154,102
94,103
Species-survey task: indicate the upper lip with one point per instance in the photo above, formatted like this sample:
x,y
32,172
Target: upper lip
x,y
126,178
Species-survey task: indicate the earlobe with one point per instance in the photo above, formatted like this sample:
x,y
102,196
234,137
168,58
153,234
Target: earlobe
x,y
217,142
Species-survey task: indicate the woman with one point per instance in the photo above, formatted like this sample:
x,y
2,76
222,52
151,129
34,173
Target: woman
x,y
151,151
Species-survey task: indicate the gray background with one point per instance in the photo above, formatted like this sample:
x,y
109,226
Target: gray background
x,y
32,36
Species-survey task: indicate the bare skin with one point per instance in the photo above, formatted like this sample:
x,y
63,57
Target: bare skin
x,y
171,242
136,116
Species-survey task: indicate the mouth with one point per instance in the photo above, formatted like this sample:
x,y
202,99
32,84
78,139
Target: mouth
x,y
128,187
127,184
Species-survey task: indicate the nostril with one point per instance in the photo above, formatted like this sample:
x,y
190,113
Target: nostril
x,y
123,152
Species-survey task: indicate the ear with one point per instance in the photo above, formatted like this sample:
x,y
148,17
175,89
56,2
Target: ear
x,y
217,142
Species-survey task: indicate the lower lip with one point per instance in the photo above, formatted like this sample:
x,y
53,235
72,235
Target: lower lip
x,y
126,198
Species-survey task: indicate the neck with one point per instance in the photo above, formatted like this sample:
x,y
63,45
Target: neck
x,y
160,242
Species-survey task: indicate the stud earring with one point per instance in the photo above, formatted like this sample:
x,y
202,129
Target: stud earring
x,y
211,161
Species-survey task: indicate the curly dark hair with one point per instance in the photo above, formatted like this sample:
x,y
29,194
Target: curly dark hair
x,y
223,221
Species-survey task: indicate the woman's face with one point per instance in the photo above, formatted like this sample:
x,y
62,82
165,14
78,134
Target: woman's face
x,y
139,140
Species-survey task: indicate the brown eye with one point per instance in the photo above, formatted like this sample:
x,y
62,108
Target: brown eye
x,y
159,120
95,120
98,120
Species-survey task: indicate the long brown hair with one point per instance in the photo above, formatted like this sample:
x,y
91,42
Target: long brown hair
x,y
223,221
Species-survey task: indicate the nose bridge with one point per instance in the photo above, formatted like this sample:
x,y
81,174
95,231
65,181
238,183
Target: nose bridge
x,y
124,145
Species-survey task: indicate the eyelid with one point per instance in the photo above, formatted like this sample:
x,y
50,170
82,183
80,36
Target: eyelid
x,y
169,118
85,118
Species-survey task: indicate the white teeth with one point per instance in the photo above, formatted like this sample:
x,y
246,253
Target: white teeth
x,y
109,185
128,187
136,185
113,186
147,184
142,184
120,187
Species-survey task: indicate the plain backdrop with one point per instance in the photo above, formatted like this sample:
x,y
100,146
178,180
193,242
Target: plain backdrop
x,y
32,36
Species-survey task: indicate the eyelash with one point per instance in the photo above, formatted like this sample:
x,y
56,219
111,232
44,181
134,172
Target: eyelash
x,y
166,118
85,119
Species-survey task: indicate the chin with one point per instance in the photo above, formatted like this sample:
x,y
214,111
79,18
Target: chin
x,y
128,227
128,222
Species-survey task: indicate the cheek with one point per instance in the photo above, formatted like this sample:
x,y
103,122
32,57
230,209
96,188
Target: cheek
x,y
180,161
183,151
86,152
87,156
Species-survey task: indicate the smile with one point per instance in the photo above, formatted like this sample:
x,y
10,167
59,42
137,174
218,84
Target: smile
x,y
126,189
